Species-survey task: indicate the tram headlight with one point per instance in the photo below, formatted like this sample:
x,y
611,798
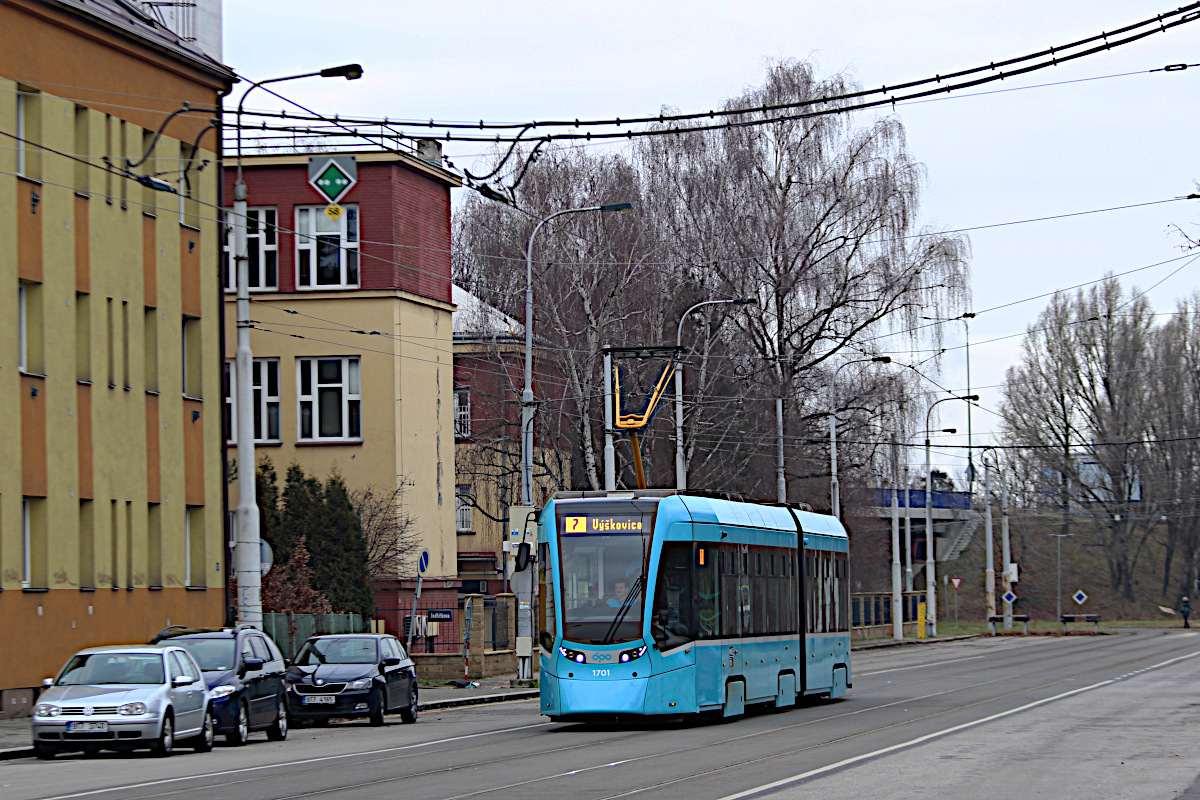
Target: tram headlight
x,y
572,655
632,655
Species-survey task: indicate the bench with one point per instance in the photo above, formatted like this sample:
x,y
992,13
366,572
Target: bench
x,y
1092,618
999,618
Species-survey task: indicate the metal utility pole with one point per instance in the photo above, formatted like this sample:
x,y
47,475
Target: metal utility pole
x,y
610,453
835,499
680,460
527,399
246,553
989,572
930,539
908,576
1005,550
780,482
897,612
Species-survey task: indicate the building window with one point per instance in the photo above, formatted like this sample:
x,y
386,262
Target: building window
x,y
462,508
22,113
23,326
329,394
29,325
190,352
264,374
326,249
29,156
262,246
26,543
462,413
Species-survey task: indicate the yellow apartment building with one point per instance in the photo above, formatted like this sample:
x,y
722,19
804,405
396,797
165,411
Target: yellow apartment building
x,y
111,469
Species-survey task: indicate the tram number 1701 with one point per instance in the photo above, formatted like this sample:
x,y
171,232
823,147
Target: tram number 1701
x,y
601,673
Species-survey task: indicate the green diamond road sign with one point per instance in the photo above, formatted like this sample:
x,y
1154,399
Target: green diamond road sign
x,y
332,177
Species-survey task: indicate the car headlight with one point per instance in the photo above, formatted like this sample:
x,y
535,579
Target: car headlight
x,y
359,685
632,655
47,710
217,692
131,709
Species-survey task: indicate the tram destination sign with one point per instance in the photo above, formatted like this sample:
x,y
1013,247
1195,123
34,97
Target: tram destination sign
x,y
579,525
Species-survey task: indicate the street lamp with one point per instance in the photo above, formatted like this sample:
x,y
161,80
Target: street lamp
x,y
680,463
835,500
930,578
247,559
527,399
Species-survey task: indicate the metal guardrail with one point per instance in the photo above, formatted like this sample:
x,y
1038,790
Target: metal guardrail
x,y
870,609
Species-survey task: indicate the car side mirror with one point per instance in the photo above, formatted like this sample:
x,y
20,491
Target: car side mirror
x,y
250,664
546,641
182,680
47,683
391,661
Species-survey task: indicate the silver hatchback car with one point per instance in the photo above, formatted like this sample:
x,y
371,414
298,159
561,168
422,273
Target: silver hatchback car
x,y
123,697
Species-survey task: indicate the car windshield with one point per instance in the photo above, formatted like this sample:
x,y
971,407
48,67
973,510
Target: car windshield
x,y
100,669
603,552
337,651
213,655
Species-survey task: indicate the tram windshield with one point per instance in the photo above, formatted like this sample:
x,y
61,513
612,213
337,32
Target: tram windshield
x,y
603,550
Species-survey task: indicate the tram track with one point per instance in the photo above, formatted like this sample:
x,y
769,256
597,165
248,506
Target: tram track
x,y
529,738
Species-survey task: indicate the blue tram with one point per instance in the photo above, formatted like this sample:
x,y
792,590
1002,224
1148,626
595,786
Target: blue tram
x,y
658,603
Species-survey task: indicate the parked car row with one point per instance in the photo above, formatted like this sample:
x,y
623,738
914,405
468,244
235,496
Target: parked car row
x,y
189,684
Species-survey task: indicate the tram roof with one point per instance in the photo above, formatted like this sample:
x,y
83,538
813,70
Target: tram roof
x,y
755,515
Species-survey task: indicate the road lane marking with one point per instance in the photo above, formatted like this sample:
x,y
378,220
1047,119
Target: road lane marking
x,y
301,762
812,773
916,666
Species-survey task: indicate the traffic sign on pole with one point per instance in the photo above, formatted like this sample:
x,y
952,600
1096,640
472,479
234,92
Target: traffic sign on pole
x,y
423,561
1009,597
332,176
956,582
1079,597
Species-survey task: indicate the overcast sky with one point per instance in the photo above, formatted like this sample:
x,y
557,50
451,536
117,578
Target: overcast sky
x,y
996,157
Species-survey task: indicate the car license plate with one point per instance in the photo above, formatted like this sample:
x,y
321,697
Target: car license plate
x,y
319,699
87,726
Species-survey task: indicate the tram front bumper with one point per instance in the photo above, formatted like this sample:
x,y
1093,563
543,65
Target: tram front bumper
x,y
602,696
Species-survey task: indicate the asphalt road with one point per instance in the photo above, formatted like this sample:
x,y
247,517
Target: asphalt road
x,y
1081,717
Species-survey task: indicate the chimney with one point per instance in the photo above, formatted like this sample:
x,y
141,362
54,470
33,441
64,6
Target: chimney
x,y
430,150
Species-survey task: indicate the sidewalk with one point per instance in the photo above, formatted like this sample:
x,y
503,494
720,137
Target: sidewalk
x,y
16,738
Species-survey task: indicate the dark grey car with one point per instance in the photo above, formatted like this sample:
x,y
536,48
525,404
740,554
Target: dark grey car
x,y
352,675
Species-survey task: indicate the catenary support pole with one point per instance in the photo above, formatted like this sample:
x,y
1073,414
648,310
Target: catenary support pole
x,y
908,573
610,455
780,481
1005,550
897,612
989,572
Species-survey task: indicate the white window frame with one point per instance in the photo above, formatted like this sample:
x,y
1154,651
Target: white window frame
x,y
187,546
22,110
350,388
349,261
463,521
262,399
462,413
23,325
26,545
256,243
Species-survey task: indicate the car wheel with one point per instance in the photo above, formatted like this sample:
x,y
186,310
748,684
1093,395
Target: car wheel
x,y
164,745
44,752
241,731
409,713
278,730
379,708
203,742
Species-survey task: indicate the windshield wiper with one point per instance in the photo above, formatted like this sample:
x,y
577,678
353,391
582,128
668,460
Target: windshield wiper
x,y
626,604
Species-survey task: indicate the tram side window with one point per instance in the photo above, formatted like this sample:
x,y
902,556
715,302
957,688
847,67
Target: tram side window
x,y
546,593
842,590
730,591
708,591
672,620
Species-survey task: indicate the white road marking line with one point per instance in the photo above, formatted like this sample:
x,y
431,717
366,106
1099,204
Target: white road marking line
x,y
916,666
301,762
766,787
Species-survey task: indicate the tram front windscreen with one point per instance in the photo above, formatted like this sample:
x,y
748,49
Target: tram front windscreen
x,y
604,549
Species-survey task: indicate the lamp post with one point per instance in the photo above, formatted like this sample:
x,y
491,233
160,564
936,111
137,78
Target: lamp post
x,y
930,578
835,499
247,559
680,462
527,398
